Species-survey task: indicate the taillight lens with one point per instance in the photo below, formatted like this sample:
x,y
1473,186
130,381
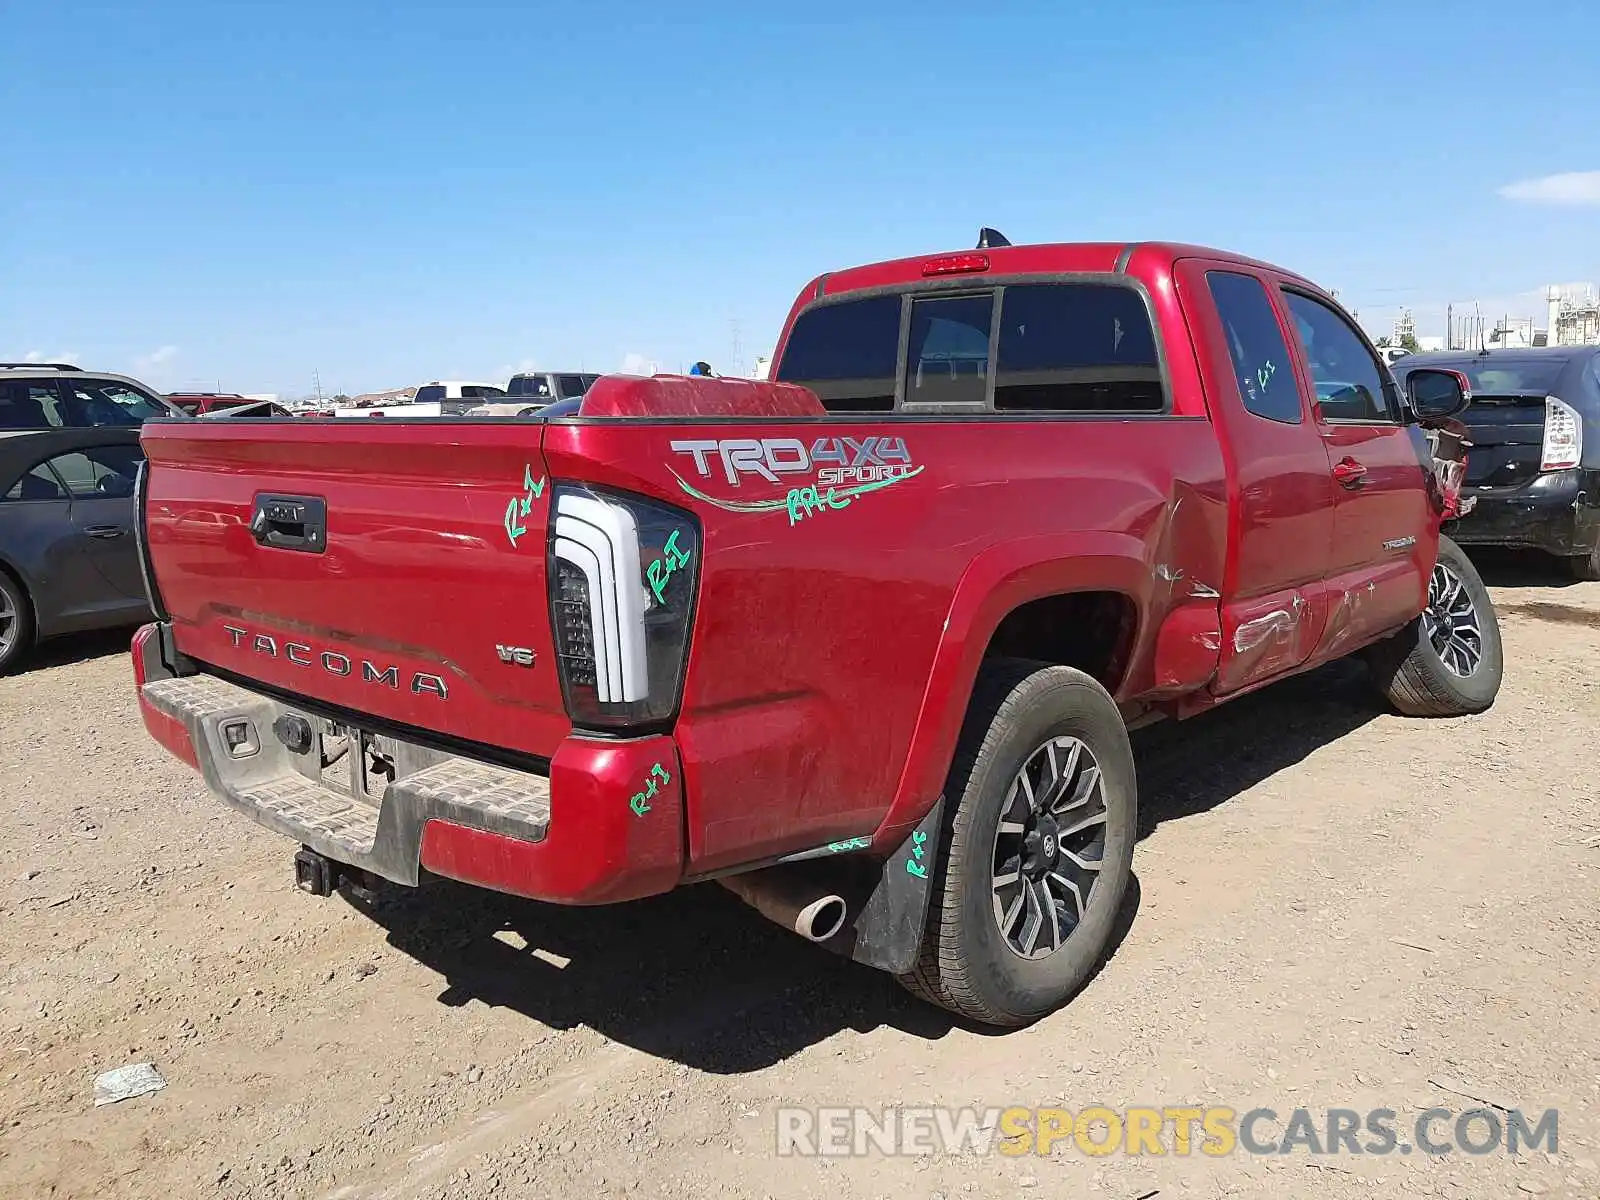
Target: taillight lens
x,y
1563,436
624,573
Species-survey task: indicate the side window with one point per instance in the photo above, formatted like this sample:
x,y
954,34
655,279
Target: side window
x,y
106,402
29,404
1261,362
99,471
1349,383
38,484
947,361
847,353
1076,347
568,386
137,404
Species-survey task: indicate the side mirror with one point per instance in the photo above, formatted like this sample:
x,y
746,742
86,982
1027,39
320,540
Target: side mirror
x,y
1437,394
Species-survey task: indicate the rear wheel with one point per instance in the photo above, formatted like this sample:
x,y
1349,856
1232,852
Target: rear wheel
x,y
16,622
1039,847
1447,662
1585,568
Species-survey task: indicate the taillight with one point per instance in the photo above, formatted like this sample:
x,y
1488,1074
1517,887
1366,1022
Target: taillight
x,y
1563,436
624,573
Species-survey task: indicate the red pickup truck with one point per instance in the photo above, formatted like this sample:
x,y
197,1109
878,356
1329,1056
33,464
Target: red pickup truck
x,y
863,643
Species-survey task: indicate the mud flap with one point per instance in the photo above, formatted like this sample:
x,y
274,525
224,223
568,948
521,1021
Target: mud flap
x,y
889,900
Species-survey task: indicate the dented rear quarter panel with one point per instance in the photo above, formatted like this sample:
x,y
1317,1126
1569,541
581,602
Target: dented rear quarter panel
x,y
833,650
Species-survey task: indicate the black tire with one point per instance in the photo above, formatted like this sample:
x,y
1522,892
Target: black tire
x,y
1585,568
967,964
16,616
1412,673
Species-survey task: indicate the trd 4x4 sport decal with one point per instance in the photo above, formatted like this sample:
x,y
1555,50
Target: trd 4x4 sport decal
x,y
840,468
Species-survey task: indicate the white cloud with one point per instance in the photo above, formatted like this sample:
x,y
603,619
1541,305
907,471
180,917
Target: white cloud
x,y
155,368
637,364
1572,187
521,367
156,358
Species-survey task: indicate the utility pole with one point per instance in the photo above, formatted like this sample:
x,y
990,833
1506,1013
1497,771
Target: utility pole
x,y
736,365
316,383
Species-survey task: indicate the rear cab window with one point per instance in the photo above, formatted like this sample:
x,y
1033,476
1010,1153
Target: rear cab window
x,y
537,386
847,352
1022,348
568,386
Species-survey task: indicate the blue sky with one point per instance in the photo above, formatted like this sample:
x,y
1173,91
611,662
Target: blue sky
x,y
386,193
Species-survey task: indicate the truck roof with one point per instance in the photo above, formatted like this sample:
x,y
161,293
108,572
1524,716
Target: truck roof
x,y
1044,258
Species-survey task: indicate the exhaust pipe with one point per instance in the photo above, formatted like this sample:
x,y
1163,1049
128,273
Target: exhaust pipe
x,y
790,901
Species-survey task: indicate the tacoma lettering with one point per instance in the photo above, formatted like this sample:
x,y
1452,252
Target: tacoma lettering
x,y
334,663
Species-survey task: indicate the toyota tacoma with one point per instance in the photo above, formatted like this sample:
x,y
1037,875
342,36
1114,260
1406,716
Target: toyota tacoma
x,y
863,643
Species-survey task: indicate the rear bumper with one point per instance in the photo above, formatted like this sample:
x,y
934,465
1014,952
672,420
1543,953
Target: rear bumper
x,y
599,828
1558,512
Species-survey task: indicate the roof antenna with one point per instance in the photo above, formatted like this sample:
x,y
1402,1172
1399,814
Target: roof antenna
x,y
989,239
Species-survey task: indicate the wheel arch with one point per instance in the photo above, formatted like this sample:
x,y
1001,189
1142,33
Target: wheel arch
x,y
1003,606
9,568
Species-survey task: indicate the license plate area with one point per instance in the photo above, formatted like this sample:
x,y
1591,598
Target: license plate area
x,y
358,763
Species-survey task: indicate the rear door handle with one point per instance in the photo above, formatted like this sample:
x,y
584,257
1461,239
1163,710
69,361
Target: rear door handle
x,y
105,531
1349,472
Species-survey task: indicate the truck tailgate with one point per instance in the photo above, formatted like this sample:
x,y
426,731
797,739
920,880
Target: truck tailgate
x,y
421,599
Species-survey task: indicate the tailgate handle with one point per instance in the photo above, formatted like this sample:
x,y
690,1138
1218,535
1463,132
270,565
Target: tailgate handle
x,y
291,523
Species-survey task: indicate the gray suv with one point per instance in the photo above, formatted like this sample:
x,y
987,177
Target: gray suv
x,y
61,396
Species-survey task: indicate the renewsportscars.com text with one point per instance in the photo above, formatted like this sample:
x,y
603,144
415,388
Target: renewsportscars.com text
x,y
1160,1131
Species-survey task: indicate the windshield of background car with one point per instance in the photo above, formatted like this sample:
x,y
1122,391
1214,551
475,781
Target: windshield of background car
x,y
530,385
1500,377
108,402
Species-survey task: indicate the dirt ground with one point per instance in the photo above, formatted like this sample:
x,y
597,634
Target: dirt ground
x,y
1334,907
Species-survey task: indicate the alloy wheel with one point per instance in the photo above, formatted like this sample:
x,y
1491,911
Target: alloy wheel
x,y
1450,623
1048,847
10,621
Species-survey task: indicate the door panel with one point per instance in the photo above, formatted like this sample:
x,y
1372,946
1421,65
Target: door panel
x,y
100,480
1385,536
105,525
1282,502
42,539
